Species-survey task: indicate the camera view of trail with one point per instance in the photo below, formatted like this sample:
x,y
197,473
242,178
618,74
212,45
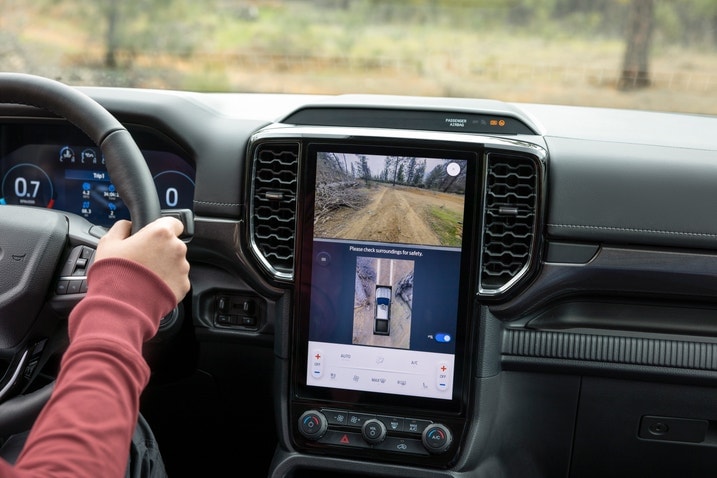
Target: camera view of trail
x,y
395,214
396,275
387,200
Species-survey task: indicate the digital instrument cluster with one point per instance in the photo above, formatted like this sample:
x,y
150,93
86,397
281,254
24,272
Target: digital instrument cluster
x,y
54,166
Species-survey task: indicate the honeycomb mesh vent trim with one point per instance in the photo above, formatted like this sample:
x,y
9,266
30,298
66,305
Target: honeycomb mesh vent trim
x,y
509,222
273,206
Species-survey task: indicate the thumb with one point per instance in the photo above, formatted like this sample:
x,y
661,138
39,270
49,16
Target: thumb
x,y
120,230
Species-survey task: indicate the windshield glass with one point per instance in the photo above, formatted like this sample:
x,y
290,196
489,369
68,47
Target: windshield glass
x,y
646,54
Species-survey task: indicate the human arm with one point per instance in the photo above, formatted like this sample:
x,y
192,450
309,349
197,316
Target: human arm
x,y
86,427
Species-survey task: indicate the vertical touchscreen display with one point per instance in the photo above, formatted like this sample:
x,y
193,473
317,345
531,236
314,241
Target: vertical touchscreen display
x,y
385,272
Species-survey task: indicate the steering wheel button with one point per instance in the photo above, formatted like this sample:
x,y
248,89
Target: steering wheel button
x,y
69,267
61,288
86,252
73,286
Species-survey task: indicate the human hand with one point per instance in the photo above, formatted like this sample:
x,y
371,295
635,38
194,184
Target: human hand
x,y
155,246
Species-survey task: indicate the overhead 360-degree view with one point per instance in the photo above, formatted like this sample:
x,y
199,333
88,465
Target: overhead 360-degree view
x,y
358,238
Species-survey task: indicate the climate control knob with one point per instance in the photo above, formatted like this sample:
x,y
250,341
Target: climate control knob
x,y
436,438
313,424
373,431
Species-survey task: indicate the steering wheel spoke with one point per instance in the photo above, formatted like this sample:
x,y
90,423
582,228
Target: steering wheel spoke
x,y
32,242
22,368
70,283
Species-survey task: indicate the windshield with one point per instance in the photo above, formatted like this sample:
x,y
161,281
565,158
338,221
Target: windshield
x,y
645,54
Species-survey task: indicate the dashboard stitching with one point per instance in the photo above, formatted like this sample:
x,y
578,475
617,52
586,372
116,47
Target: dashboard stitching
x,y
631,229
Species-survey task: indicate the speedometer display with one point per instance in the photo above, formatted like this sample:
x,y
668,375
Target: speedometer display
x,y
27,184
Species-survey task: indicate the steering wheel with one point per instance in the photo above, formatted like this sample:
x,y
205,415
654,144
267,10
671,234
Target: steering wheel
x,y
36,243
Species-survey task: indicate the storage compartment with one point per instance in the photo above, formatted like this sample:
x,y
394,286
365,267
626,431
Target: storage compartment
x,y
670,427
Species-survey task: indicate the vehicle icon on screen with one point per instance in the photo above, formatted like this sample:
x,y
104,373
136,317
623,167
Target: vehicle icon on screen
x,y
382,317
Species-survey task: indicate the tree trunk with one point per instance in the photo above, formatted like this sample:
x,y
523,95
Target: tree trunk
x,y
635,67
111,39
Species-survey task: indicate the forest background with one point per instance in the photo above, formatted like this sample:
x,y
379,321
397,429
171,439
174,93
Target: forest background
x,y
538,51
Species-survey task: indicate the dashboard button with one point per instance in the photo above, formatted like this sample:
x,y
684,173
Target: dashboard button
x,y
336,417
393,424
373,431
358,419
402,445
351,439
415,426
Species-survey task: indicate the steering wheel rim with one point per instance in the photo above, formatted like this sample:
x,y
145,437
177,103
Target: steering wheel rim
x,y
48,232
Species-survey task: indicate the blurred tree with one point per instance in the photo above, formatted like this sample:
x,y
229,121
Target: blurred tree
x,y
111,38
640,24
154,26
697,20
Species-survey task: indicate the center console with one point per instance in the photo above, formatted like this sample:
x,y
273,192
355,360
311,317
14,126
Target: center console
x,y
391,250
382,336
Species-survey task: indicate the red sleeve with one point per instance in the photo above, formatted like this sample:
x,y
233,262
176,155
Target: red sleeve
x,y
86,427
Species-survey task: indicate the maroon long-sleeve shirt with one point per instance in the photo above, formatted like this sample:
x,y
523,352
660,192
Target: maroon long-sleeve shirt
x,y
86,427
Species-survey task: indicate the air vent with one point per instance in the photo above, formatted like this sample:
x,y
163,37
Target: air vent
x,y
273,206
509,223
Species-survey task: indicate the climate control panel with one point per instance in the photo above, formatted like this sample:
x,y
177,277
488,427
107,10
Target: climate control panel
x,y
343,428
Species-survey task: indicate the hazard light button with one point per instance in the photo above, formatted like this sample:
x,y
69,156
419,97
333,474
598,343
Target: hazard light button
x,y
350,439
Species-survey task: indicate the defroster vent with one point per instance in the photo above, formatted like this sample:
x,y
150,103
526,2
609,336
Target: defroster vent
x,y
509,223
273,206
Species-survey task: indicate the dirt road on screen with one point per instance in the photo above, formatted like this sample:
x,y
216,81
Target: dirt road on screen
x,y
393,214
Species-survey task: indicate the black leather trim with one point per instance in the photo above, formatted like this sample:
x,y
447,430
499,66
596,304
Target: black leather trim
x,y
632,193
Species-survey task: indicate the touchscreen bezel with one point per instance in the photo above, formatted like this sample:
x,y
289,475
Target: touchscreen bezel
x,y
305,244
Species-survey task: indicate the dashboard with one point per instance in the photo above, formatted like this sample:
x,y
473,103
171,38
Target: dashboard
x,y
425,287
